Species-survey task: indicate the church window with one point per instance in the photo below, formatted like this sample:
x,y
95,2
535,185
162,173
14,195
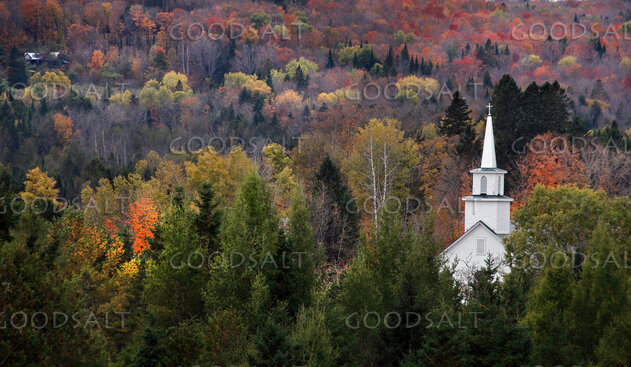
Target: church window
x,y
483,185
480,247
499,185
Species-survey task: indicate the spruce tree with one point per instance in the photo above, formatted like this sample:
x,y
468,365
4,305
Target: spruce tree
x,y
388,64
456,117
330,63
17,70
405,56
7,217
208,220
468,144
302,80
507,119
343,235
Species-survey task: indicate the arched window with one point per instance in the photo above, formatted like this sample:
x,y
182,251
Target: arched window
x,y
483,185
499,185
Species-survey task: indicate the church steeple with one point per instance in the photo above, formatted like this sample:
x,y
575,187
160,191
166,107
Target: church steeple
x,y
488,150
487,202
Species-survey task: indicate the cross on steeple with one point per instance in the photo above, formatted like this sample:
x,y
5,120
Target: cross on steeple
x,y
489,107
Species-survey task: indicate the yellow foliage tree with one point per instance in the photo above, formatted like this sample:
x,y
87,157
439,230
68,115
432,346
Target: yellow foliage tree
x,y
250,82
225,173
411,87
281,180
50,85
39,185
173,88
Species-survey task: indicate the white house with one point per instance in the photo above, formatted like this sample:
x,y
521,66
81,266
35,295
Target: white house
x,y
33,57
487,214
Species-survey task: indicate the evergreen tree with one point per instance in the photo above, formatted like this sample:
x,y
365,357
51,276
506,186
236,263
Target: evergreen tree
x,y
295,278
496,338
150,354
405,55
456,117
208,220
388,64
601,295
598,91
174,286
16,70
547,302
330,63
302,80
468,144
342,228
486,80
507,119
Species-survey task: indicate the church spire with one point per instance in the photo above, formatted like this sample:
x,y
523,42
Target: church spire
x,y
488,150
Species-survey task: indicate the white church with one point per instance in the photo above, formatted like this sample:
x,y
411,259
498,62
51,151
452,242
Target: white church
x,y
487,214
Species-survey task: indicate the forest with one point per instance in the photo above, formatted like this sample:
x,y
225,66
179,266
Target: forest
x,y
273,183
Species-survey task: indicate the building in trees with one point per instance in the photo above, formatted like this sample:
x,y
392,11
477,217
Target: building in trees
x,y
487,214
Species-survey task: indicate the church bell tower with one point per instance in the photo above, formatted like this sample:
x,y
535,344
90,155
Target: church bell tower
x,y
487,202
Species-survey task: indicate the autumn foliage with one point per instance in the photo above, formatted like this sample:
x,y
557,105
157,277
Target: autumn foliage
x,y
63,128
97,60
142,219
550,161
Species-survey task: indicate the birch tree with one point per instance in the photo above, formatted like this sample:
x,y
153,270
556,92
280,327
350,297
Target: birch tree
x,y
379,164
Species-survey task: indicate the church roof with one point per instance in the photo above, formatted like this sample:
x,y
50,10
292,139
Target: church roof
x,y
473,227
488,149
496,170
488,197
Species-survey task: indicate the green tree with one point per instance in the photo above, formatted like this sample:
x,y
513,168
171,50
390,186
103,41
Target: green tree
x,y
208,220
16,70
507,116
494,338
330,63
7,215
396,270
342,227
547,303
601,296
175,281
457,117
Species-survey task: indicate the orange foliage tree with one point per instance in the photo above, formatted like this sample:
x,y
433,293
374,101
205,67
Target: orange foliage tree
x,y
550,160
63,128
142,218
97,61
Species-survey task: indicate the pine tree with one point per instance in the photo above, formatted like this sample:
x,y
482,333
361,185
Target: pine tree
x,y
208,220
496,338
547,302
456,117
341,236
468,144
486,80
507,119
150,353
7,217
598,91
405,56
388,64
174,287
302,80
17,70
295,278
330,63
